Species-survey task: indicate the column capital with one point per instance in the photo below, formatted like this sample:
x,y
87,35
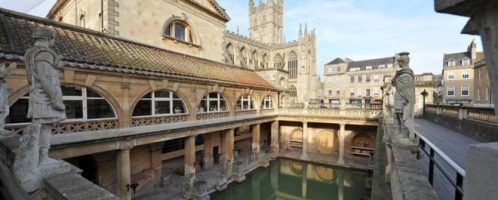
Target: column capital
x,y
125,145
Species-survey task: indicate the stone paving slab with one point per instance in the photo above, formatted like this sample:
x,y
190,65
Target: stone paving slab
x,y
452,143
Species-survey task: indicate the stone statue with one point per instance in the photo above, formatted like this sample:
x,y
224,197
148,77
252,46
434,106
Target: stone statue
x,y
4,96
404,100
45,98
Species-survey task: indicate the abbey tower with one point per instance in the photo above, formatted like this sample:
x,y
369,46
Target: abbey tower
x,y
266,21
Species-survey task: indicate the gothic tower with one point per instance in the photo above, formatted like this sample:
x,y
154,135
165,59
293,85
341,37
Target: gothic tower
x,y
266,21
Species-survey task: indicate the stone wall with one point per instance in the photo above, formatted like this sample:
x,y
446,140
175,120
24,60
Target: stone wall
x,y
483,131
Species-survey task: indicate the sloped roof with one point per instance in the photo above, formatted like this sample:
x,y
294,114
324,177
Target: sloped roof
x,y
456,56
362,64
94,50
335,61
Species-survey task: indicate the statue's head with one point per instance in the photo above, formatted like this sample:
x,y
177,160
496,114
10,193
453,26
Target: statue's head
x,y
44,35
404,60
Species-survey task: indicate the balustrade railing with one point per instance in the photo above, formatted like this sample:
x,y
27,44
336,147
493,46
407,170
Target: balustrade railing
x,y
463,112
437,159
245,112
154,120
267,111
212,115
72,127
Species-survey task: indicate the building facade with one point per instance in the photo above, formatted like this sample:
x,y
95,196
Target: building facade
x,y
356,83
180,25
425,86
482,91
459,76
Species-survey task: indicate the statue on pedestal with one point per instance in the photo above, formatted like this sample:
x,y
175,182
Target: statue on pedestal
x,y
404,100
46,108
4,96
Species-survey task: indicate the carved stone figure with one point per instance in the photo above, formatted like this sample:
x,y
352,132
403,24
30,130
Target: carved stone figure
x,y
404,102
4,96
45,98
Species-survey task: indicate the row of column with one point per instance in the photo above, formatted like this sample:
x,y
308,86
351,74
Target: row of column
x,y
308,140
125,189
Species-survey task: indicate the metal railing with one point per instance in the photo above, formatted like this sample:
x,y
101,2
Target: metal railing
x,y
431,151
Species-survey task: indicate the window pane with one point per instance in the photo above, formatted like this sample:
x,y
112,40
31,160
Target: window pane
x,y
99,108
162,94
147,96
71,91
213,105
90,93
202,106
144,108
223,105
175,96
163,107
18,112
178,107
74,109
213,95
168,30
180,32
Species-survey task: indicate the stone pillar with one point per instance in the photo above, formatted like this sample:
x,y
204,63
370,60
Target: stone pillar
x,y
228,144
208,150
304,155
275,132
124,174
156,161
342,138
256,135
480,180
189,179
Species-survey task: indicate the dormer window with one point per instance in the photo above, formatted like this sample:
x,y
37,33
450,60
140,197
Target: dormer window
x,y
465,62
451,63
180,31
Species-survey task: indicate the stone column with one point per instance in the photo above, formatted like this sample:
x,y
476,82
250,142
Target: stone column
x,y
189,179
228,144
275,131
124,173
340,185
208,150
304,155
342,138
256,140
156,161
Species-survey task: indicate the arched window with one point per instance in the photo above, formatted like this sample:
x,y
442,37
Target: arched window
x,y
243,57
160,103
255,59
213,102
267,103
245,103
264,64
292,64
279,62
179,30
231,53
81,104
82,21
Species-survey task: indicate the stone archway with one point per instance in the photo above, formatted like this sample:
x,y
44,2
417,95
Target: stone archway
x,y
325,142
296,138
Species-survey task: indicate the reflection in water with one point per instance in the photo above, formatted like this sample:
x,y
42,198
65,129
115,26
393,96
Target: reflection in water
x,y
288,179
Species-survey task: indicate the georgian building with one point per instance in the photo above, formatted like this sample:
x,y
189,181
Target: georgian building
x,y
356,83
459,76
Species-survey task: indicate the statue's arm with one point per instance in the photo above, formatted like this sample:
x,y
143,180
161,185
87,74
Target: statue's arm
x,y
42,75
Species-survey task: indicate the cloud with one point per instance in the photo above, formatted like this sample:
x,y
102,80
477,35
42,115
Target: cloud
x,y
361,30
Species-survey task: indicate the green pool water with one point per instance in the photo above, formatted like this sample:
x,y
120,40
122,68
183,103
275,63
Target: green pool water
x,y
289,179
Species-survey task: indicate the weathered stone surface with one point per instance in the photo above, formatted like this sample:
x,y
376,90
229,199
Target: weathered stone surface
x,y
71,186
481,175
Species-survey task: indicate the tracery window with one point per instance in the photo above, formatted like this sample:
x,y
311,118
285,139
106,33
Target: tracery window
x,y
179,30
213,102
279,62
243,57
255,60
264,64
245,103
292,64
81,104
267,103
231,53
159,103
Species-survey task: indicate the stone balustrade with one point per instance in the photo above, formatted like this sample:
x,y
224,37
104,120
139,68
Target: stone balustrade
x,y
245,112
463,112
154,120
326,112
72,126
212,115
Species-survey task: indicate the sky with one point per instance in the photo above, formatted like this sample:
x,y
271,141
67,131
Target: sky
x,y
356,29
